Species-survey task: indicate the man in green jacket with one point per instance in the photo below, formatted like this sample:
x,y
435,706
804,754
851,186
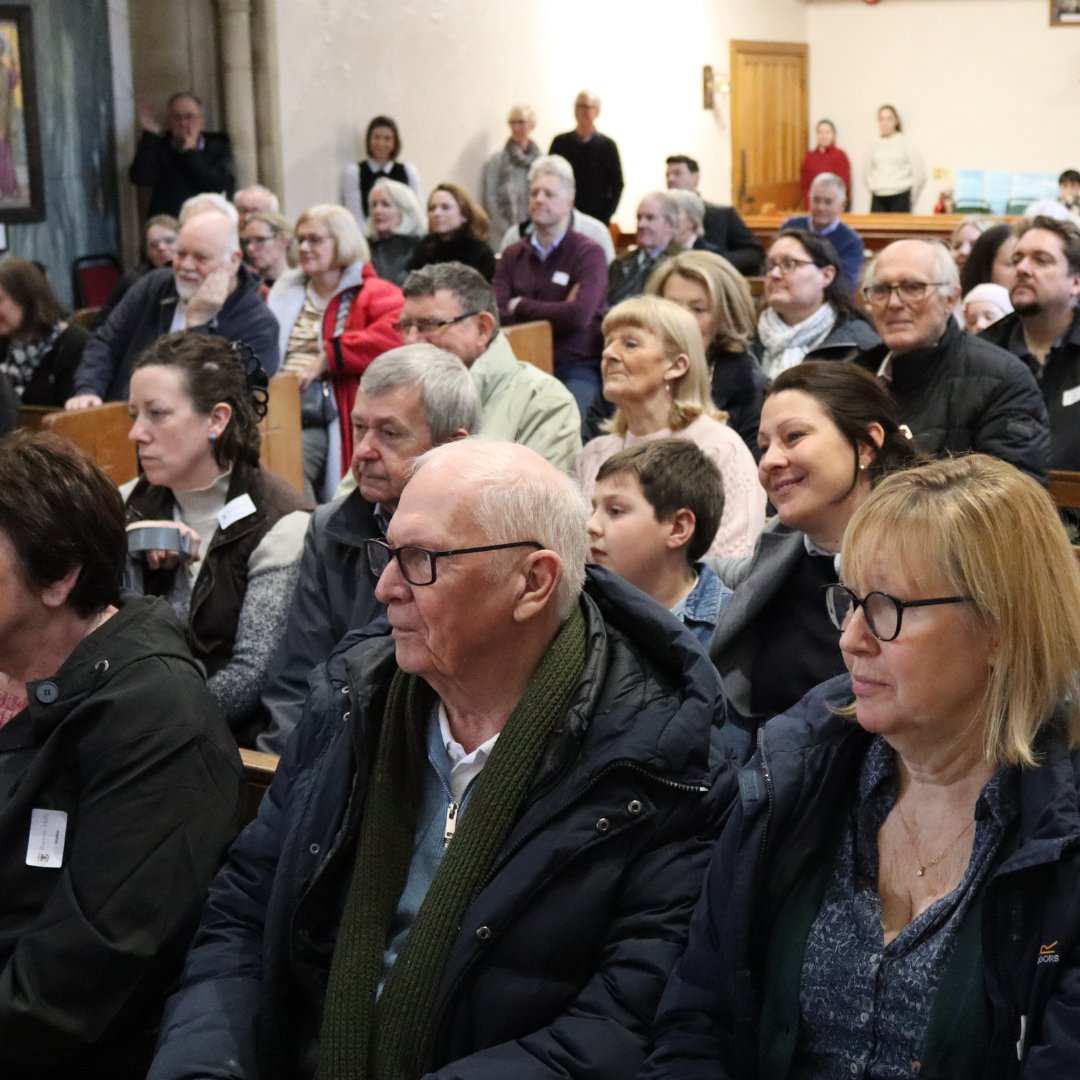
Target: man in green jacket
x,y
450,305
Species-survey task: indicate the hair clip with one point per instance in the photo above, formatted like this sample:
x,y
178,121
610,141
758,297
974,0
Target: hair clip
x,y
254,374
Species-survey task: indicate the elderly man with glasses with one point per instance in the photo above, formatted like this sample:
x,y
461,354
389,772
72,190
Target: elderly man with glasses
x,y
410,399
481,850
956,393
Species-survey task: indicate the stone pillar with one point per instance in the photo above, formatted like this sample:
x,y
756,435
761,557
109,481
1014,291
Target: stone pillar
x,y
239,86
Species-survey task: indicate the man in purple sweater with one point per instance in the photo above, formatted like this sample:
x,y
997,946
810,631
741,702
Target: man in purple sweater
x,y
559,275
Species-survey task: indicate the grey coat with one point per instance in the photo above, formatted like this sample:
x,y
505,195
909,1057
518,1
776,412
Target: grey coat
x,y
335,593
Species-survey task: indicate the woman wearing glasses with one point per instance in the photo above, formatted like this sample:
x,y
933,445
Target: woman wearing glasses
x,y
828,433
894,894
335,316
809,313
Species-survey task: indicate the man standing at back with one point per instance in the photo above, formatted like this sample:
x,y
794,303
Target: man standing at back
x,y
724,229
480,852
182,161
451,305
1044,327
594,158
410,399
827,197
559,275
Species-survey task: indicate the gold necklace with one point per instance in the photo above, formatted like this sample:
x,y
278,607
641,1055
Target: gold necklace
x,y
923,867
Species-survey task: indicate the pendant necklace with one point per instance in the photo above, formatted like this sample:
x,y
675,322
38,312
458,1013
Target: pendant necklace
x,y
923,867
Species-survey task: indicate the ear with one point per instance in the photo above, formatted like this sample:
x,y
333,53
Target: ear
x,y
486,321
828,273
681,528
868,453
461,433
540,577
677,367
220,415
55,595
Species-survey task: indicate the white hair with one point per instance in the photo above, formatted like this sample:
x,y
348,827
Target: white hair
x,y
413,222
209,200
513,502
1050,208
274,203
232,228
944,266
830,179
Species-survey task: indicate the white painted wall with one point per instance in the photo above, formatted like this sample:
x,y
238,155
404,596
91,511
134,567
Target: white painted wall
x,y
449,70
979,84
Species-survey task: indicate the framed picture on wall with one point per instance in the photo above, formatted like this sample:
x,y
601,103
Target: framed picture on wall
x,y
1065,12
22,189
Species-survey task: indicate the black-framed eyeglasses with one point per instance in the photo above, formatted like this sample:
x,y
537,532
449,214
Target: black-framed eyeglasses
x,y
884,613
787,264
418,564
431,326
911,292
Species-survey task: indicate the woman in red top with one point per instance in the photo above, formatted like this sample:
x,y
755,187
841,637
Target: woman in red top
x,y
826,157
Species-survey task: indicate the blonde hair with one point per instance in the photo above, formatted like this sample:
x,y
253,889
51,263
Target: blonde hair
x,y
730,301
994,536
678,333
349,243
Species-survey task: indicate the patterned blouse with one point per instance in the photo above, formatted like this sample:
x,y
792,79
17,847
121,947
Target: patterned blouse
x,y
866,1005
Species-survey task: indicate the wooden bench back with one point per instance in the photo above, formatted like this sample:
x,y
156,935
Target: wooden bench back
x,y
282,442
259,771
533,343
103,433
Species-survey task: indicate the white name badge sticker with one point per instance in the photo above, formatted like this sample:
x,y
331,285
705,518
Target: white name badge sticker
x,y
1070,397
45,847
561,277
235,510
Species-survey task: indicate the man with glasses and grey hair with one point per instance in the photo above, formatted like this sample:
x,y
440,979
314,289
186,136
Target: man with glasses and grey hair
x,y
956,393
828,194
410,399
481,850
452,306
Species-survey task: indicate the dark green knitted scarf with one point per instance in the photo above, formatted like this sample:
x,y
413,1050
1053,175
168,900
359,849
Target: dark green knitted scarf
x,y
391,1039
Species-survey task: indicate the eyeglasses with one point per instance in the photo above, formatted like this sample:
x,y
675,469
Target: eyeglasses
x,y
418,564
431,326
911,292
884,613
255,241
310,238
786,265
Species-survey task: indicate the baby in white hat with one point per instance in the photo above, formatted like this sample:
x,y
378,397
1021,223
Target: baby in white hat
x,y
985,304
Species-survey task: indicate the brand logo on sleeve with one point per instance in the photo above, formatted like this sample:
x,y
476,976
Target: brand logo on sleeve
x,y
1048,954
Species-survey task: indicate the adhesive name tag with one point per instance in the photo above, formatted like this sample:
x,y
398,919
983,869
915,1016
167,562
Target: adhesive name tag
x,y
45,847
1070,397
561,277
235,510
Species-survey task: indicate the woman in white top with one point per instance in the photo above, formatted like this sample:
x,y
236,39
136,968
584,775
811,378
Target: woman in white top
x,y
382,144
894,169
655,372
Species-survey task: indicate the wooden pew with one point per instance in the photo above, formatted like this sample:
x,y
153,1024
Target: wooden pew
x,y
533,342
1064,488
282,449
876,230
259,771
103,433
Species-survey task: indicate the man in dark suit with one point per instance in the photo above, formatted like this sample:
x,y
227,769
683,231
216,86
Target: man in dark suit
x,y
183,161
724,229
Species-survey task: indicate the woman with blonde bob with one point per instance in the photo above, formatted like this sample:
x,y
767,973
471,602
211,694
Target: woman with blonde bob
x,y
718,297
906,894
654,372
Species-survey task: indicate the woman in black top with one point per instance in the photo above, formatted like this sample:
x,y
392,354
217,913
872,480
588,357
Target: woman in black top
x,y
39,348
457,232
828,433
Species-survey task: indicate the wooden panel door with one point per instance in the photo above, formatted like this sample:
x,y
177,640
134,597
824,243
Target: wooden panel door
x,y
769,124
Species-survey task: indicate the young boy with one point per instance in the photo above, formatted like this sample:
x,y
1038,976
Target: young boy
x,y
656,509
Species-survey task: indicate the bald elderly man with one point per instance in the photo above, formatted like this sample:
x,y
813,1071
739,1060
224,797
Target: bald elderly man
x,y
956,393
205,291
480,852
